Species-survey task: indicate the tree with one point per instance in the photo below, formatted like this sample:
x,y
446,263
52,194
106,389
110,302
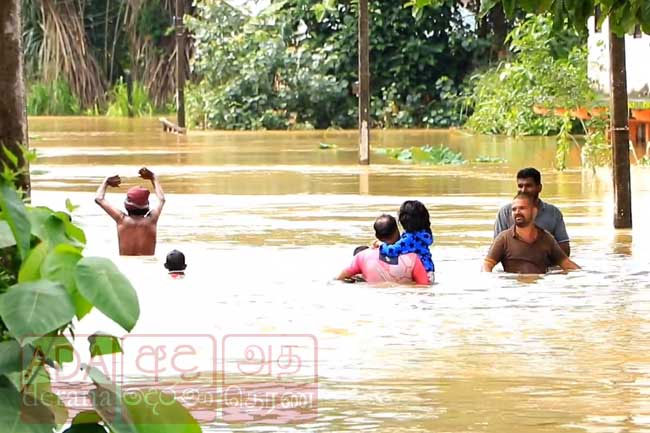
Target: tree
x,y
13,114
623,16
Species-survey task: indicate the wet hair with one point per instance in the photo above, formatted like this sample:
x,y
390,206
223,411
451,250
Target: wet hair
x,y
525,196
137,212
385,226
414,216
175,261
530,172
358,249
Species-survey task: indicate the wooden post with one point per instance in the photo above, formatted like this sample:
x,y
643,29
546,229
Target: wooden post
x,y
180,63
364,85
620,133
13,111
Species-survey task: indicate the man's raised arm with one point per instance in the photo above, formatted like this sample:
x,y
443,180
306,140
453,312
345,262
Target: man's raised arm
x,y
145,173
114,213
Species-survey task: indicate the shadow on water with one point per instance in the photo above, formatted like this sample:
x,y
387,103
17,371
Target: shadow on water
x,y
266,220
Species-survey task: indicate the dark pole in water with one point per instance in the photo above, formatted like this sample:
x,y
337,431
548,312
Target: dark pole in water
x,y
620,133
180,63
364,85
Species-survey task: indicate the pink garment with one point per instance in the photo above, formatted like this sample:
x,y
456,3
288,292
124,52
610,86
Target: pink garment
x,y
408,269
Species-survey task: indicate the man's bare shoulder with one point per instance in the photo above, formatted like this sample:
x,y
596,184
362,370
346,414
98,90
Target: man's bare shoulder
x,y
137,221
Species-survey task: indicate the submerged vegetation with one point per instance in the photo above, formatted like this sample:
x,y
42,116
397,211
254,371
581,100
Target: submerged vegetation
x,y
441,155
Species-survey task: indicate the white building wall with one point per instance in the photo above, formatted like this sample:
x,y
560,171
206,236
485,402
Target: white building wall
x,y
637,58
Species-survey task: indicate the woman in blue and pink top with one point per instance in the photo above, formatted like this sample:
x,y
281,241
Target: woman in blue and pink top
x,y
417,236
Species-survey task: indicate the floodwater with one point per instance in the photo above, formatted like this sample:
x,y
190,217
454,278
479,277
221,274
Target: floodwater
x,y
267,219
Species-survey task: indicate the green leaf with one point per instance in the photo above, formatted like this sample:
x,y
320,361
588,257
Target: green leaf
x,y
33,309
154,411
60,265
85,428
54,227
6,237
74,232
87,417
30,270
56,347
107,401
103,344
103,285
36,384
21,414
273,8
14,213
69,206
10,156
13,357
319,11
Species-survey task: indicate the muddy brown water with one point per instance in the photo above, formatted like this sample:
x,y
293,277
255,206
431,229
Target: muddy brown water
x,y
267,219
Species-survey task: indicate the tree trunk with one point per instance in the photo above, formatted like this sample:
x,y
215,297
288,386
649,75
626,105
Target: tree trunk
x,y
620,133
13,113
500,30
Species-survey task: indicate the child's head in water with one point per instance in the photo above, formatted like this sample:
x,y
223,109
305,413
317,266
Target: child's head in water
x,y
414,216
175,262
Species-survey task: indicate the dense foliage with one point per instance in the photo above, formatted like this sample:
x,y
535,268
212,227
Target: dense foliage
x,y
294,65
547,68
624,15
93,45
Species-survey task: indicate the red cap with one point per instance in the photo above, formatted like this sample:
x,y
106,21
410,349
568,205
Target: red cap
x,y
137,198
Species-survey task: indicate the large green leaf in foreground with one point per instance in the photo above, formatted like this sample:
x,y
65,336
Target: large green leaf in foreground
x,y
60,265
15,215
18,418
13,357
103,285
141,411
33,309
154,411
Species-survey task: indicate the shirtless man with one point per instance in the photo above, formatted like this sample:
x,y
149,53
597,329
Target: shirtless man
x,y
136,230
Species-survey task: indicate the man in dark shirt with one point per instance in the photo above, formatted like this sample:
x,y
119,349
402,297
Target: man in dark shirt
x,y
525,248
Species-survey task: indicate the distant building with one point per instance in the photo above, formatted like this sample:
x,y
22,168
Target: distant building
x,y
637,58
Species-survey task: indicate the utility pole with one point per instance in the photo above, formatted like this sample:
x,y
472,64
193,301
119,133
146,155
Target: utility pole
x,y
364,85
180,63
620,133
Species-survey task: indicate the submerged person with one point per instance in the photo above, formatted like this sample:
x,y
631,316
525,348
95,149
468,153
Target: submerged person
x,y
417,236
136,230
549,217
377,268
175,264
526,248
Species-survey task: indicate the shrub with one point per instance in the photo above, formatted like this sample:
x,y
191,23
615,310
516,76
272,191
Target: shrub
x,y
541,71
51,99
